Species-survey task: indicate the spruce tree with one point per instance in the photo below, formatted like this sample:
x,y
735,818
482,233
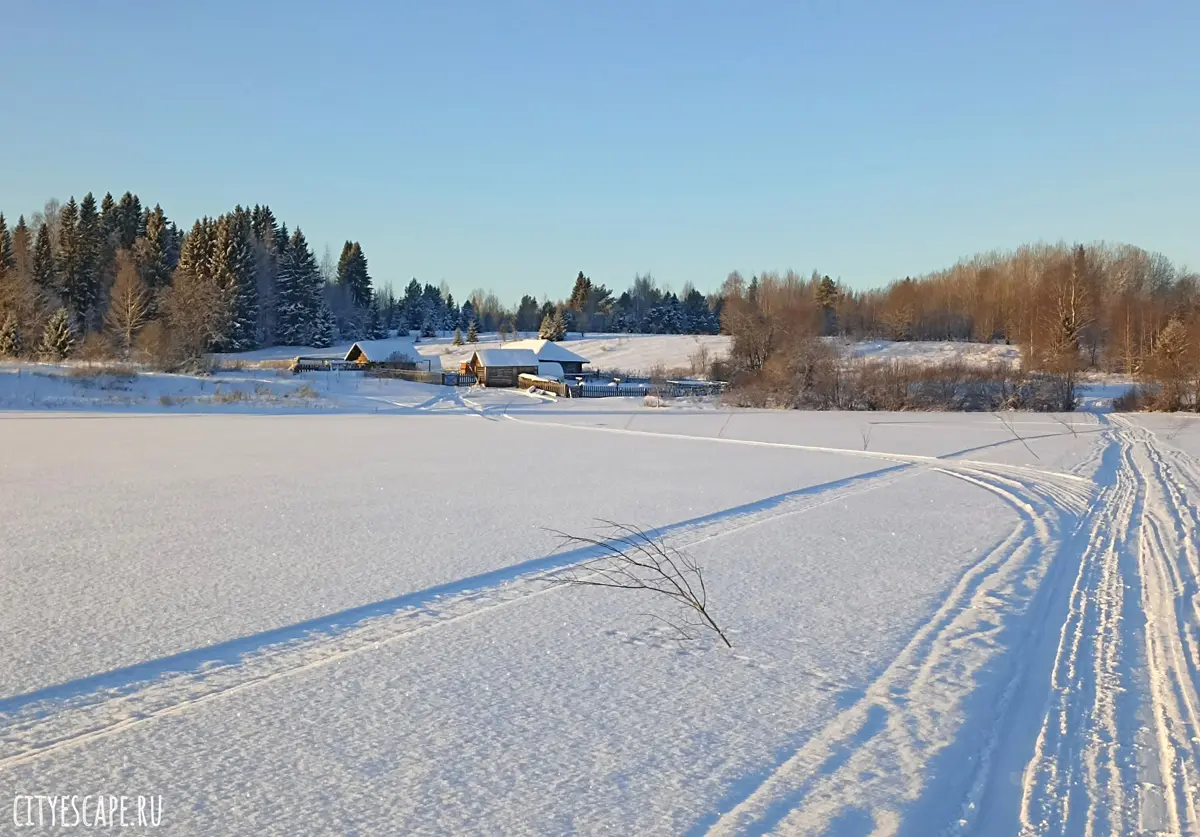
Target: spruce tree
x,y
352,273
69,261
110,225
298,298
323,333
151,251
45,269
22,248
8,261
546,329
233,271
10,337
58,339
91,262
129,220
472,334
559,331
458,337
429,327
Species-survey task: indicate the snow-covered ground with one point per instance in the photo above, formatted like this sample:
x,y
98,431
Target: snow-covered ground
x,y
635,353
333,623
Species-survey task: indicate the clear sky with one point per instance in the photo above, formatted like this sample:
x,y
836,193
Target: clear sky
x,y
508,145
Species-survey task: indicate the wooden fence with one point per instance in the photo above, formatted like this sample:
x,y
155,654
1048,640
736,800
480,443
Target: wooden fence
x,y
623,389
321,364
421,376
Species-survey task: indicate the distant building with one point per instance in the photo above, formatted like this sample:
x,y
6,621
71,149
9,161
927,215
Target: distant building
x,y
502,367
548,351
399,350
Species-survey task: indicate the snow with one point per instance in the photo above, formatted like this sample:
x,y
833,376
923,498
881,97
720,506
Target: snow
x,y
348,623
641,353
550,369
978,354
548,350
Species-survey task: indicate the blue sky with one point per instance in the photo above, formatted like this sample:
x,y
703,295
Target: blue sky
x,y
508,145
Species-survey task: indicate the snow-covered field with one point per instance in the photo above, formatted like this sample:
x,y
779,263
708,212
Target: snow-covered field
x,y
640,353
333,623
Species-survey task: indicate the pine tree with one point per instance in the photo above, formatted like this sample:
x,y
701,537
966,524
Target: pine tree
x,y
472,334
45,268
580,293
10,337
827,296
58,339
546,329
458,337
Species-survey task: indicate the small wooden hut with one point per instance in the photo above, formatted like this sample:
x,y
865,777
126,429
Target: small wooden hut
x,y
502,367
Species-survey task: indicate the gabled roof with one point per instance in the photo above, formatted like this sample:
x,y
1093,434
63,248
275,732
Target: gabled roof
x,y
377,351
548,350
507,357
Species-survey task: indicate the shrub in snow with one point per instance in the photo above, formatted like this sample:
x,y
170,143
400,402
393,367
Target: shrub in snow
x,y
653,401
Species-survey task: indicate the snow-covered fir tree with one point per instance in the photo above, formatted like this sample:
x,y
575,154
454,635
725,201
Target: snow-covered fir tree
x,y
559,327
299,300
472,333
10,337
58,338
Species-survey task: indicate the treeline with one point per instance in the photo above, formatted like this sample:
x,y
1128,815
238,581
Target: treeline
x,y
117,277
91,279
1069,308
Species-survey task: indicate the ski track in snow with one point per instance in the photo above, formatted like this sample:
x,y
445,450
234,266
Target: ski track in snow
x,y
1118,749
878,748
1086,616
53,719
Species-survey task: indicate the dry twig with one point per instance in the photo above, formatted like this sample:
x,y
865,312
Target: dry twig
x,y
633,559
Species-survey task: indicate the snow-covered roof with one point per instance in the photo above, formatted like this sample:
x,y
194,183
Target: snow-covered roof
x,y
507,357
377,351
548,350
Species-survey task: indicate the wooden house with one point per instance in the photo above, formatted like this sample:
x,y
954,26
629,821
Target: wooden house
x,y
399,351
502,367
548,351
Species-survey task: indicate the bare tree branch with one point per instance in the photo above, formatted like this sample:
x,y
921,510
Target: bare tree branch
x,y
1016,435
633,559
